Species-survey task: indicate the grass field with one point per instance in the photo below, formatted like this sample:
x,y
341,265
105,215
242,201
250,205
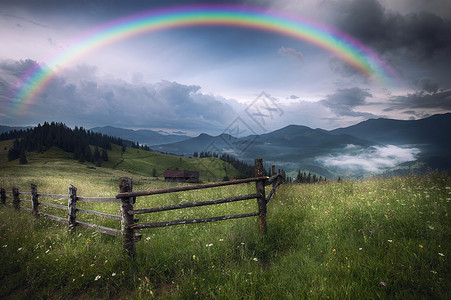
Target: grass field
x,y
369,239
136,162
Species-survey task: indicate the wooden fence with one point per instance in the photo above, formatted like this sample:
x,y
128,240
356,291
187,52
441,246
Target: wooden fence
x,y
127,198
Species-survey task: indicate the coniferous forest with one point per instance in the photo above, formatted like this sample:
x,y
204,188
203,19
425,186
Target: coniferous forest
x,y
76,141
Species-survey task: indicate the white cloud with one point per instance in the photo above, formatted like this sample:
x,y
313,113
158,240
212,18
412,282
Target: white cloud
x,y
291,53
371,159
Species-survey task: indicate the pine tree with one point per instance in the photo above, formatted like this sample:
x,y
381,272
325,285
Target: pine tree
x,y
23,158
314,178
96,157
299,177
104,155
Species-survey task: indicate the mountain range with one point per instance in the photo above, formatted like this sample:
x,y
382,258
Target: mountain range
x,y
371,146
143,136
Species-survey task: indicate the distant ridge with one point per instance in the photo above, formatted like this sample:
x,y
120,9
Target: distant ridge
x,y
9,128
299,147
147,137
285,144
433,132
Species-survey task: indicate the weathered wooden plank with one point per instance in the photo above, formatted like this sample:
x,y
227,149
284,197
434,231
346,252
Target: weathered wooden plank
x,y
3,195
272,192
35,199
10,198
261,199
54,196
272,179
53,205
192,221
54,218
102,229
188,188
16,198
193,204
25,193
25,200
72,209
98,199
127,220
100,214
26,208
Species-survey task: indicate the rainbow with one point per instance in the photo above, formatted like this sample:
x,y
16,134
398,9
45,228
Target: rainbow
x,y
348,49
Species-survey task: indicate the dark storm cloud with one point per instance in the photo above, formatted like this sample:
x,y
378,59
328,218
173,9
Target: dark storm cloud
x,y
102,9
420,35
91,101
344,101
422,100
427,85
16,68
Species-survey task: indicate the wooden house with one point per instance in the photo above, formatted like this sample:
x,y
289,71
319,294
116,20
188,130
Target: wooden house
x,y
181,176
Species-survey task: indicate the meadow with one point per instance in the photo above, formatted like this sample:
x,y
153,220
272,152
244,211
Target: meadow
x,y
366,239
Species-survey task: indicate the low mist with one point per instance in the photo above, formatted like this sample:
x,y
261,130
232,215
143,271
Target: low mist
x,y
372,159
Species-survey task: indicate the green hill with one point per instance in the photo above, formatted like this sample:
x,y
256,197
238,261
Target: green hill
x,y
135,161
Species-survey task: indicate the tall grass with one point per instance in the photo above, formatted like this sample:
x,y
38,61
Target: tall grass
x,y
370,239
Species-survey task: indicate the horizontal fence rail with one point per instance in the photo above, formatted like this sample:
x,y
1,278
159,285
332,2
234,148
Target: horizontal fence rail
x,y
127,198
98,199
192,221
99,214
188,188
54,196
193,204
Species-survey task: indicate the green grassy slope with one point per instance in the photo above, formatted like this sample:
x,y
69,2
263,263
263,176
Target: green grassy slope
x,y
384,238
143,162
133,162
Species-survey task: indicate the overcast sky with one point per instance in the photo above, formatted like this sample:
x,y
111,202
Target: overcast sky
x,y
203,79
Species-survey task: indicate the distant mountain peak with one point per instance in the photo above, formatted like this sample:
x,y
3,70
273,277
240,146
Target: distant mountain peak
x,y
143,136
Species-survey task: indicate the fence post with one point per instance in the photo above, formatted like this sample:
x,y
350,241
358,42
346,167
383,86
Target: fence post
x,y
128,234
16,198
260,188
72,209
273,170
34,198
3,195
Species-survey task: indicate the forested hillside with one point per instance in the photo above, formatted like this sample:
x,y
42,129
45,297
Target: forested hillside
x,y
76,141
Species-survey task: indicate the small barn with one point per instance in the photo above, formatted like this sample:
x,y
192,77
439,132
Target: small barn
x,y
181,176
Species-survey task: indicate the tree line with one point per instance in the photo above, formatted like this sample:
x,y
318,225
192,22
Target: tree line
x,y
242,167
76,141
308,178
